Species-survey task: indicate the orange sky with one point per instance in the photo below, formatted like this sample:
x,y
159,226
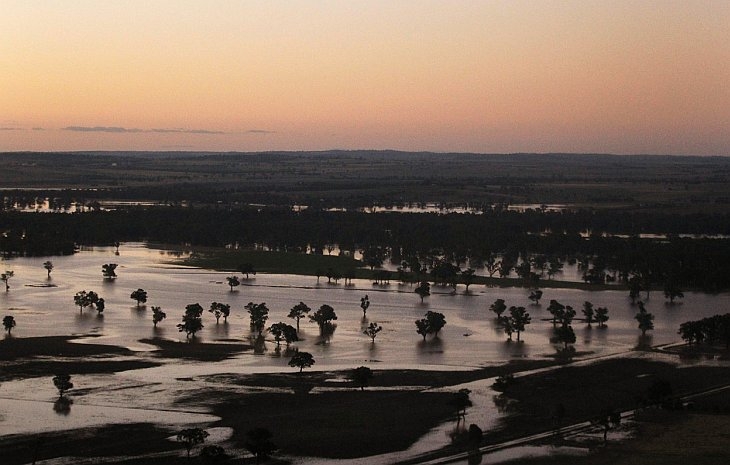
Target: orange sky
x,y
480,76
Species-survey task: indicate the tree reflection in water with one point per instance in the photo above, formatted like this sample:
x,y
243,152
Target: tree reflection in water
x,y
62,405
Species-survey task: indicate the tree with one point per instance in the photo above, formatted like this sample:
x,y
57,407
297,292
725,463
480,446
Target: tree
x,y
601,316
423,290
191,320
290,334
492,265
436,321
462,402
157,315
607,419
468,276
518,319
8,323
63,383
213,454
498,307
283,331
247,269
556,309
506,323
364,304
298,312
258,314
5,277
422,327
219,310
645,319
635,288
535,296
258,442
671,290
565,334
81,299
108,270
140,295
100,305
589,312
324,317
301,360
361,376
49,267
233,282
372,330
191,437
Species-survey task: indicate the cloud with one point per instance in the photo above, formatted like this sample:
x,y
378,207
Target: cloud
x,y
12,129
39,129
186,131
259,131
120,130
111,129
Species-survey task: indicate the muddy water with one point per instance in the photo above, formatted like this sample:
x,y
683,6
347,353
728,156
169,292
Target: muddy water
x,y
471,338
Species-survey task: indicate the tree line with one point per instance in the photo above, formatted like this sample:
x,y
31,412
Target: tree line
x,y
697,263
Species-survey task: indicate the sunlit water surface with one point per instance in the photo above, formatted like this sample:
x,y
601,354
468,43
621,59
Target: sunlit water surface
x,y
471,338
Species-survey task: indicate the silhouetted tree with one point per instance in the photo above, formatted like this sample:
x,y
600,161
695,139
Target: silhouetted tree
x,y
81,299
108,270
63,383
589,312
301,360
8,323
364,304
191,320
233,281
423,290
298,312
601,316
283,331
157,315
258,314
645,319
498,307
140,295
324,317
48,265
462,402
607,419
247,269
191,437
5,277
361,376
258,442
519,318
372,330
100,306
672,290
468,276
535,296
219,310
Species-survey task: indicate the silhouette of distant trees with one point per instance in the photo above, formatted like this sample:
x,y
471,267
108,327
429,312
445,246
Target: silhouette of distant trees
x,y
697,263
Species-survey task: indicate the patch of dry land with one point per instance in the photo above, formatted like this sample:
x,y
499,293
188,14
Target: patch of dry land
x,y
323,414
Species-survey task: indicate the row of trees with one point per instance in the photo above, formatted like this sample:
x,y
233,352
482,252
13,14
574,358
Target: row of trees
x,y
711,331
540,239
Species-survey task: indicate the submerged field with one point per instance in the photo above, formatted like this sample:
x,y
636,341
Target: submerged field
x,y
144,384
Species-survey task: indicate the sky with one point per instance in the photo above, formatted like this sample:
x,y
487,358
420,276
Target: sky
x,y
619,76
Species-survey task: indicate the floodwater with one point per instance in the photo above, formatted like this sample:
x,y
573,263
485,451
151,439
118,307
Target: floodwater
x,y
470,339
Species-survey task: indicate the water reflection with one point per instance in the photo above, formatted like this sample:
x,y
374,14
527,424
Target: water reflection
x,y
644,342
62,405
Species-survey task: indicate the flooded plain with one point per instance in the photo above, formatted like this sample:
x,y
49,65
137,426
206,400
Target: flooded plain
x,y
470,339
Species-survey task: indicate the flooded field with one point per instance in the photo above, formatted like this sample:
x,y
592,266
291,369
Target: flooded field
x,y
470,339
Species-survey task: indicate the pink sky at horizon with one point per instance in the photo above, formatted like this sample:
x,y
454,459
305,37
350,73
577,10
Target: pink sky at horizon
x,y
625,77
